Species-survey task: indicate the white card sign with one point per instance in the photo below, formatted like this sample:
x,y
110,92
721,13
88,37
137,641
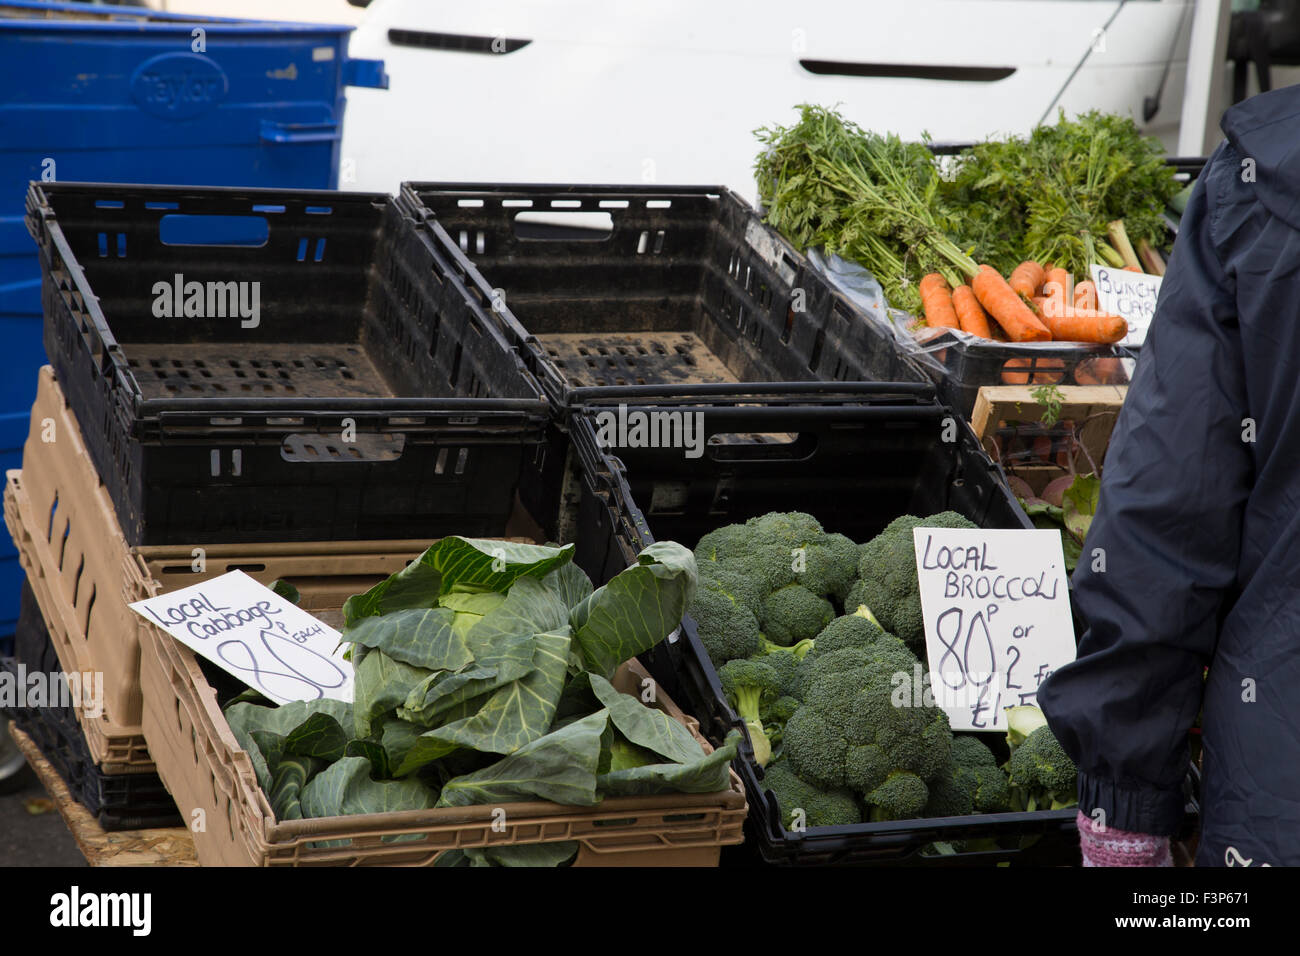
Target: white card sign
x,y
251,632
1129,294
997,619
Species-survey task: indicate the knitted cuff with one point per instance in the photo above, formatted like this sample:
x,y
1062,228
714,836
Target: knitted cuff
x,y
1106,846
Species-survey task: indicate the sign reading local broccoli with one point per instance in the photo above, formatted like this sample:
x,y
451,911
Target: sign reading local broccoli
x,y
996,611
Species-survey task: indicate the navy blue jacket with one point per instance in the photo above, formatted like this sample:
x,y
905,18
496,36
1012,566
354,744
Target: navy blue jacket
x,y
1199,526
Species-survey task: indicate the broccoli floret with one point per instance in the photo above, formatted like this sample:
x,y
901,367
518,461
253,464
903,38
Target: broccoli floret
x,y
724,544
730,578
821,808
851,630
830,566
777,715
856,598
973,783
788,530
772,568
901,797
786,667
1042,775
727,629
849,734
751,685
887,574
793,614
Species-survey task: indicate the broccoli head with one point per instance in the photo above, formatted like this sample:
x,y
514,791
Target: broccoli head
x,y
729,578
820,808
750,686
850,630
886,652
902,796
727,628
793,614
724,544
849,734
830,566
972,783
786,530
887,575
1042,775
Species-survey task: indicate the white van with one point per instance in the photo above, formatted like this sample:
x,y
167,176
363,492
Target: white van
x,y
670,91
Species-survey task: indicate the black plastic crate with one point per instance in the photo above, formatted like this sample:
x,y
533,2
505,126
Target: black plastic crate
x,y
856,461
374,395
120,801
676,285
969,366
679,286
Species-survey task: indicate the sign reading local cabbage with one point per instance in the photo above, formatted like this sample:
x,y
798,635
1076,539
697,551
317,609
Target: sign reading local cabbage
x,y
256,635
1132,295
997,619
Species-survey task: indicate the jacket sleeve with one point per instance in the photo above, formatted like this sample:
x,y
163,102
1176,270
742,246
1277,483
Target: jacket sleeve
x,y
1160,562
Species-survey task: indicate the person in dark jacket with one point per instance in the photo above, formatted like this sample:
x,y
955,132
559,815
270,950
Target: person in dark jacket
x,y
1193,558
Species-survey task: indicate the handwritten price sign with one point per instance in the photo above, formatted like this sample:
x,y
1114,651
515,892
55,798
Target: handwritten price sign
x,y
251,632
997,618
1130,294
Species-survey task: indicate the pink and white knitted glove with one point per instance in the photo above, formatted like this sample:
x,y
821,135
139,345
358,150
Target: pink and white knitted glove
x,y
1106,846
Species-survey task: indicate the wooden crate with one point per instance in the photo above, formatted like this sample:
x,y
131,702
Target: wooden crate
x,y
1096,406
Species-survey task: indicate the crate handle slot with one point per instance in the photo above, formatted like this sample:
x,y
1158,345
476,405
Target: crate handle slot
x,y
559,225
184,229
320,449
761,446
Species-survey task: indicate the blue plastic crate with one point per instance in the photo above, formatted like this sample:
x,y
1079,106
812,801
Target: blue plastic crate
x,y
114,94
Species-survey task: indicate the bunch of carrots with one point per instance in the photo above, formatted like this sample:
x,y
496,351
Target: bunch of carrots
x,y
1035,303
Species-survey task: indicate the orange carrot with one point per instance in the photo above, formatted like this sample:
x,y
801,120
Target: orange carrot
x,y
1132,269
1027,278
1086,325
936,302
1059,285
970,313
1005,305
1027,371
1085,295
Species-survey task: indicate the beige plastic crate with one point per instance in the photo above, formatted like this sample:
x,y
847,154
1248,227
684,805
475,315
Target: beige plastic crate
x,y
206,770
83,574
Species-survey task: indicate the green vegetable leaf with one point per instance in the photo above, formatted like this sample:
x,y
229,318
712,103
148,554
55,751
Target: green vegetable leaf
x,y
421,637
529,608
513,716
560,766
381,686
1079,504
524,854
464,564
647,727
570,583
320,735
286,591
637,609
244,718
381,767
346,788
292,773
705,774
